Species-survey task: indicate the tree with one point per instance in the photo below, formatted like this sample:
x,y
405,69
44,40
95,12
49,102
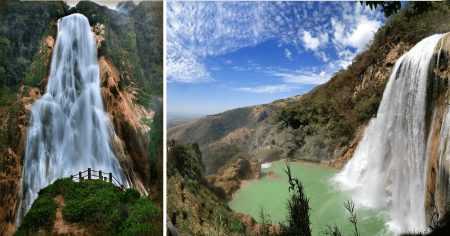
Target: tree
x,y
392,7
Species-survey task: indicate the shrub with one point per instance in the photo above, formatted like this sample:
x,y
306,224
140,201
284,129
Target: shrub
x,y
131,195
97,205
41,214
298,209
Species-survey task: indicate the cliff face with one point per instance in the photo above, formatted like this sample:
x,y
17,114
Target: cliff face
x,y
437,171
126,120
130,119
229,177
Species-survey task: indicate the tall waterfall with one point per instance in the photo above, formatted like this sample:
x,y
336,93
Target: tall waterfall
x,y
388,168
68,129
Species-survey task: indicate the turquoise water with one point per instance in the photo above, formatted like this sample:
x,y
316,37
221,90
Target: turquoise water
x,y
326,200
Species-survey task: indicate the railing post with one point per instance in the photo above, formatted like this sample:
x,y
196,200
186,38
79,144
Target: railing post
x,y
89,173
79,176
174,217
104,179
100,176
71,177
121,187
110,177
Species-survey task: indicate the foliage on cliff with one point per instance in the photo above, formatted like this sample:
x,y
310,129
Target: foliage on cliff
x,y
134,41
22,26
155,149
200,212
97,206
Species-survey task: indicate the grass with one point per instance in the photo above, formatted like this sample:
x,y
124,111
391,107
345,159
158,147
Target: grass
x,y
97,206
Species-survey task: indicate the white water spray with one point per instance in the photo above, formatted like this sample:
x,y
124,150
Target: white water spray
x,y
68,129
388,169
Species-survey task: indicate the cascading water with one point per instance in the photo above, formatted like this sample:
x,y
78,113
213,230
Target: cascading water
x,y
388,169
68,129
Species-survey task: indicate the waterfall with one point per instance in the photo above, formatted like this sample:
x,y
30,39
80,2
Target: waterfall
x,y
388,168
68,129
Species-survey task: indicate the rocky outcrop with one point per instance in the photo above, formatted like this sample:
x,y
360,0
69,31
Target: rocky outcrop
x,y
228,178
254,227
272,175
126,121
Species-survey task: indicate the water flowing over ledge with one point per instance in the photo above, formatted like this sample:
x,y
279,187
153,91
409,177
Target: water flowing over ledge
x,y
389,167
68,128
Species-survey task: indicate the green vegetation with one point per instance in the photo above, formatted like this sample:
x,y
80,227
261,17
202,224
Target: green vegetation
x,y
22,26
392,7
297,220
98,206
40,215
3,142
156,139
133,41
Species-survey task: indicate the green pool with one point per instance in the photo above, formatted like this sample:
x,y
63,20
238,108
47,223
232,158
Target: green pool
x,y
326,200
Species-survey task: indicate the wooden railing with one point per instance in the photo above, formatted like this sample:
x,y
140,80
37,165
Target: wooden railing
x,y
108,177
171,222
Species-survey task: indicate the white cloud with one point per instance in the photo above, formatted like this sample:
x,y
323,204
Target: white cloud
x,y
198,30
228,62
355,29
270,88
288,54
188,70
310,42
301,76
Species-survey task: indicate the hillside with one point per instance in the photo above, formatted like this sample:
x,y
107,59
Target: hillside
x,y
208,129
327,124
132,102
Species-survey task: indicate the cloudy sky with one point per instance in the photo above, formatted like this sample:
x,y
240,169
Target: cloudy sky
x,y
224,55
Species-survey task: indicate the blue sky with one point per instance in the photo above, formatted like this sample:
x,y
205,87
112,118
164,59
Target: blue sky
x,y
224,55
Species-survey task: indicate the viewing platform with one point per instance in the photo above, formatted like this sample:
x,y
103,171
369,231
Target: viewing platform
x,y
93,174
